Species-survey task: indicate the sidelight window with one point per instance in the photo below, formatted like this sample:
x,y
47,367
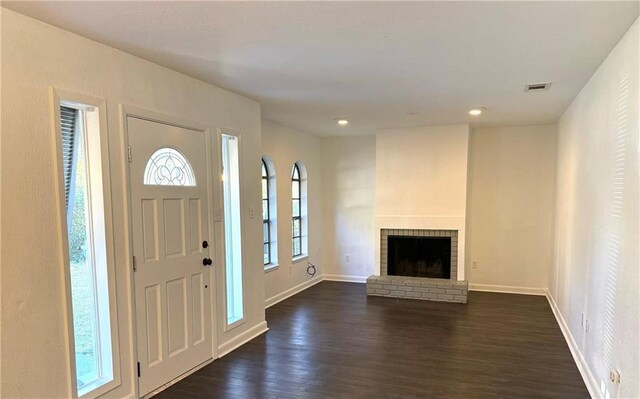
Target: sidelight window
x,y
232,228
86,246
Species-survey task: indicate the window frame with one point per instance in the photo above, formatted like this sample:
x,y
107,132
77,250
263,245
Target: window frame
x,y
65,98
296,168
238,135
266,222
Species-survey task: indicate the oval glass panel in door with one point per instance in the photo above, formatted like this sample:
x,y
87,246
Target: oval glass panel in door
x,y
168,167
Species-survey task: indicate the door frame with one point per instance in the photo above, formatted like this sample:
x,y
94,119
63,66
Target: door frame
x,y
127,111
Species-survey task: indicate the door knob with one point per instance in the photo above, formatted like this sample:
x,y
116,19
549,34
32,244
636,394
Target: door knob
x,y
207,262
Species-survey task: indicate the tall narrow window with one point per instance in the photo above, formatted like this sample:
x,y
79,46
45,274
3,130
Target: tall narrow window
x,y
232,227
298,210
269,212
266,222
87,247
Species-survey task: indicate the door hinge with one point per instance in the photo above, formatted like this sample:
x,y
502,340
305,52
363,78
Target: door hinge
x,y
129,152
138,369
135,264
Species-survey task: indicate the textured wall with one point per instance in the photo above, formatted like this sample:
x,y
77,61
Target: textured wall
x,y
510,205
35,57
349,165
285,146
596,269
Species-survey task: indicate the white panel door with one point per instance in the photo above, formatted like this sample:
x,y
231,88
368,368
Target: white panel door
x,y
172,250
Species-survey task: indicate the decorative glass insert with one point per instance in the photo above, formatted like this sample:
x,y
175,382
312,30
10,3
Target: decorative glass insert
x,y
167,167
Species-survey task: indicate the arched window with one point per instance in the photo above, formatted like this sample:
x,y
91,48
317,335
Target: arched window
x,y
298,210
167,167
269,214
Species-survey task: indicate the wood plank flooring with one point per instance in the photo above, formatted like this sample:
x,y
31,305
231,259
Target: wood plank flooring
x,y
332,341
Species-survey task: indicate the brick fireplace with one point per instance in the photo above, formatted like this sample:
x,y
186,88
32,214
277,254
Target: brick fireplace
x,y
419,264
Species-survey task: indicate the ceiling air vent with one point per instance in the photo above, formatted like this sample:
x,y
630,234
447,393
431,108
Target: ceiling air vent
x,y
538,86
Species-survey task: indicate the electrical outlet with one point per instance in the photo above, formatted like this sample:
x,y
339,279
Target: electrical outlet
x,y
614,376
252,213
475,264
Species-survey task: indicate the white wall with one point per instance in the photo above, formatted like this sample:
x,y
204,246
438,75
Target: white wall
x,y
285,146
596,263
421,181
349,165
36,56
510,206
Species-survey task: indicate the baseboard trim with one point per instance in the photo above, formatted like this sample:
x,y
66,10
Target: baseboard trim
x,y
583,367
507,289
242,339
177,379
345,279
291,292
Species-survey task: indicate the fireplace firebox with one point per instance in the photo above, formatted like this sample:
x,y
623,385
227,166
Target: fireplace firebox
x,y
413,256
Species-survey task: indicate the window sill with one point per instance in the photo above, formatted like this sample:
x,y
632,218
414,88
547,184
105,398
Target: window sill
x,y
236,323
98,388
270,268
300,258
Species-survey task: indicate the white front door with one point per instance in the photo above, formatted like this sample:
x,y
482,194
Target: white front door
x,y
172,250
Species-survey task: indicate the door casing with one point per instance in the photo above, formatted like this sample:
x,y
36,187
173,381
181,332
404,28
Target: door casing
x,y
127,111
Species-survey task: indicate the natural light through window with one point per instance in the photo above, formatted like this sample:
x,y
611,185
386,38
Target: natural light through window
x,y
167,167
299,214
232,228
266,219
84,200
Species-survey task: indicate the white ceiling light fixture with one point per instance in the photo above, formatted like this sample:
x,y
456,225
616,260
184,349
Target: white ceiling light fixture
x,y
477,111
342,121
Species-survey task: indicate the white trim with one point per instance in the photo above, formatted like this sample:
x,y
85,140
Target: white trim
x,y
127,111
299,258
271,267
177,379
242,339
291,291
583,367
507,289
57,97
344,279
221,131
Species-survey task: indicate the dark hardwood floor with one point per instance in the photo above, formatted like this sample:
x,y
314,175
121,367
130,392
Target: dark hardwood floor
x,y
332,341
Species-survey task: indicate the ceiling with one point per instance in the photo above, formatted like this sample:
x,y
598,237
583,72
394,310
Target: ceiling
x,y
381,64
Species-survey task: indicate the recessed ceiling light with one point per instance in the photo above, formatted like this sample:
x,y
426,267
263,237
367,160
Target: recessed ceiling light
x,y
476,111
342,121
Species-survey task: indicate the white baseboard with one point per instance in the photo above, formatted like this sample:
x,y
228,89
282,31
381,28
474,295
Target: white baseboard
x,y
507,289
242,339
177,379
583,367
345,279
291,291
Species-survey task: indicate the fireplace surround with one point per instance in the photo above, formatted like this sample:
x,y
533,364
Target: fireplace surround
x,y
419,264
